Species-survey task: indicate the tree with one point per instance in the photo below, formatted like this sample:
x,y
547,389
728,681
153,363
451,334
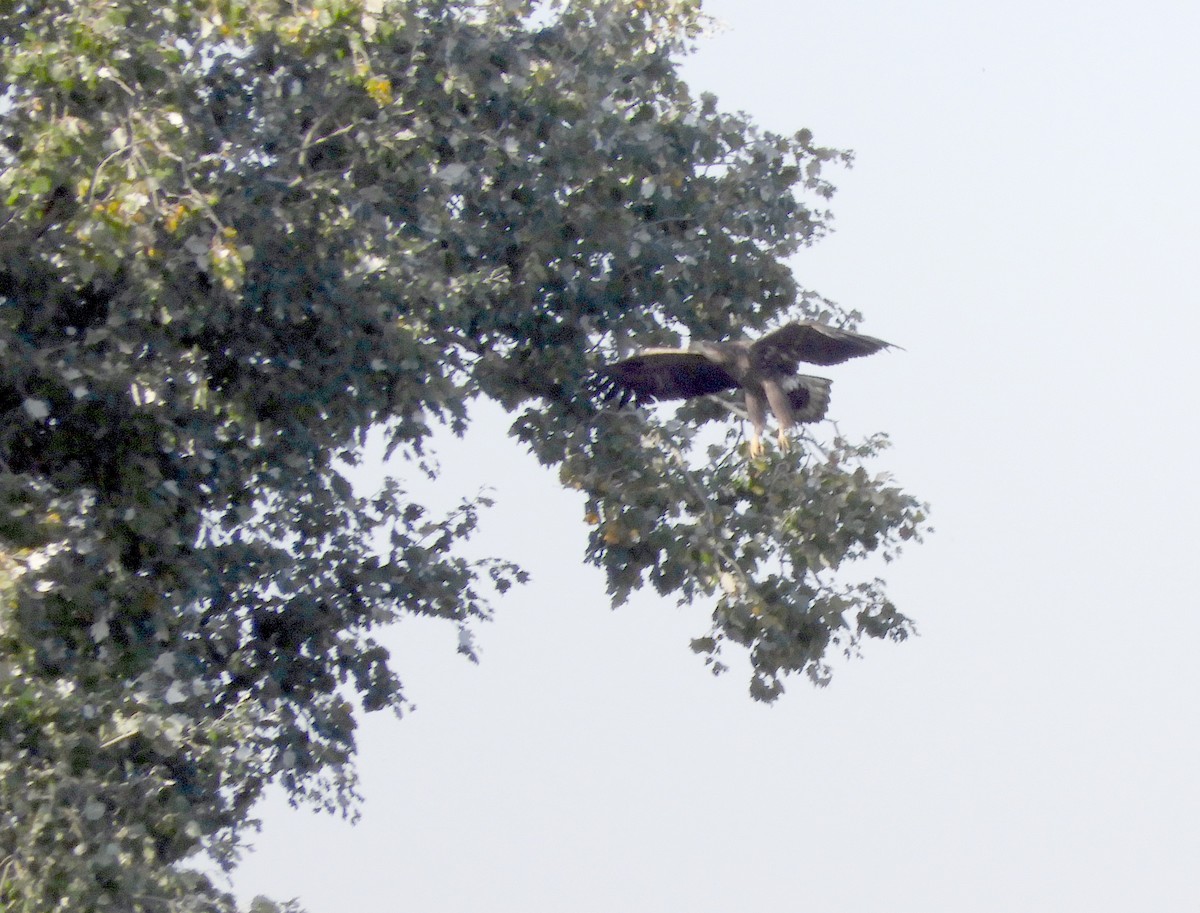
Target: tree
x,y
237,235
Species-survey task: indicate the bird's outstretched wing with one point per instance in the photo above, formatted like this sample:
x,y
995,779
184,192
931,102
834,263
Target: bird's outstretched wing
x,y
654,374
814,343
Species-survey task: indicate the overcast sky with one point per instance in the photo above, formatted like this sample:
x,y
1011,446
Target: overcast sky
x,y
1023,218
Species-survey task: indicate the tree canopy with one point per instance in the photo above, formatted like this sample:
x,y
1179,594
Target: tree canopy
x,y
238,235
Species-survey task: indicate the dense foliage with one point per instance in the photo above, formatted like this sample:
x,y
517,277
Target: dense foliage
x,y
235,236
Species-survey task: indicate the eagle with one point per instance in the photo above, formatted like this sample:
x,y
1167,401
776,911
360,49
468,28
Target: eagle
x,y
764,369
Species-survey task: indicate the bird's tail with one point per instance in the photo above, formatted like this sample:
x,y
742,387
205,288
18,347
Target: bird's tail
x,y
809,397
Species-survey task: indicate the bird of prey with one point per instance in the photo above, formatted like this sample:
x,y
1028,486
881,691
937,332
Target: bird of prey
x,y
765,370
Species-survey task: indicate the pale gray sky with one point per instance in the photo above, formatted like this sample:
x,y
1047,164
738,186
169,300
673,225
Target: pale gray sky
x,y
1023,218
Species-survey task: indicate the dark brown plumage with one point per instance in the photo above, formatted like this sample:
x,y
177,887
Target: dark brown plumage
x,y
765,370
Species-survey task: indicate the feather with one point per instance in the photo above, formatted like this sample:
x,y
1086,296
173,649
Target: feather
x,y
814,343
809,397
655,374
